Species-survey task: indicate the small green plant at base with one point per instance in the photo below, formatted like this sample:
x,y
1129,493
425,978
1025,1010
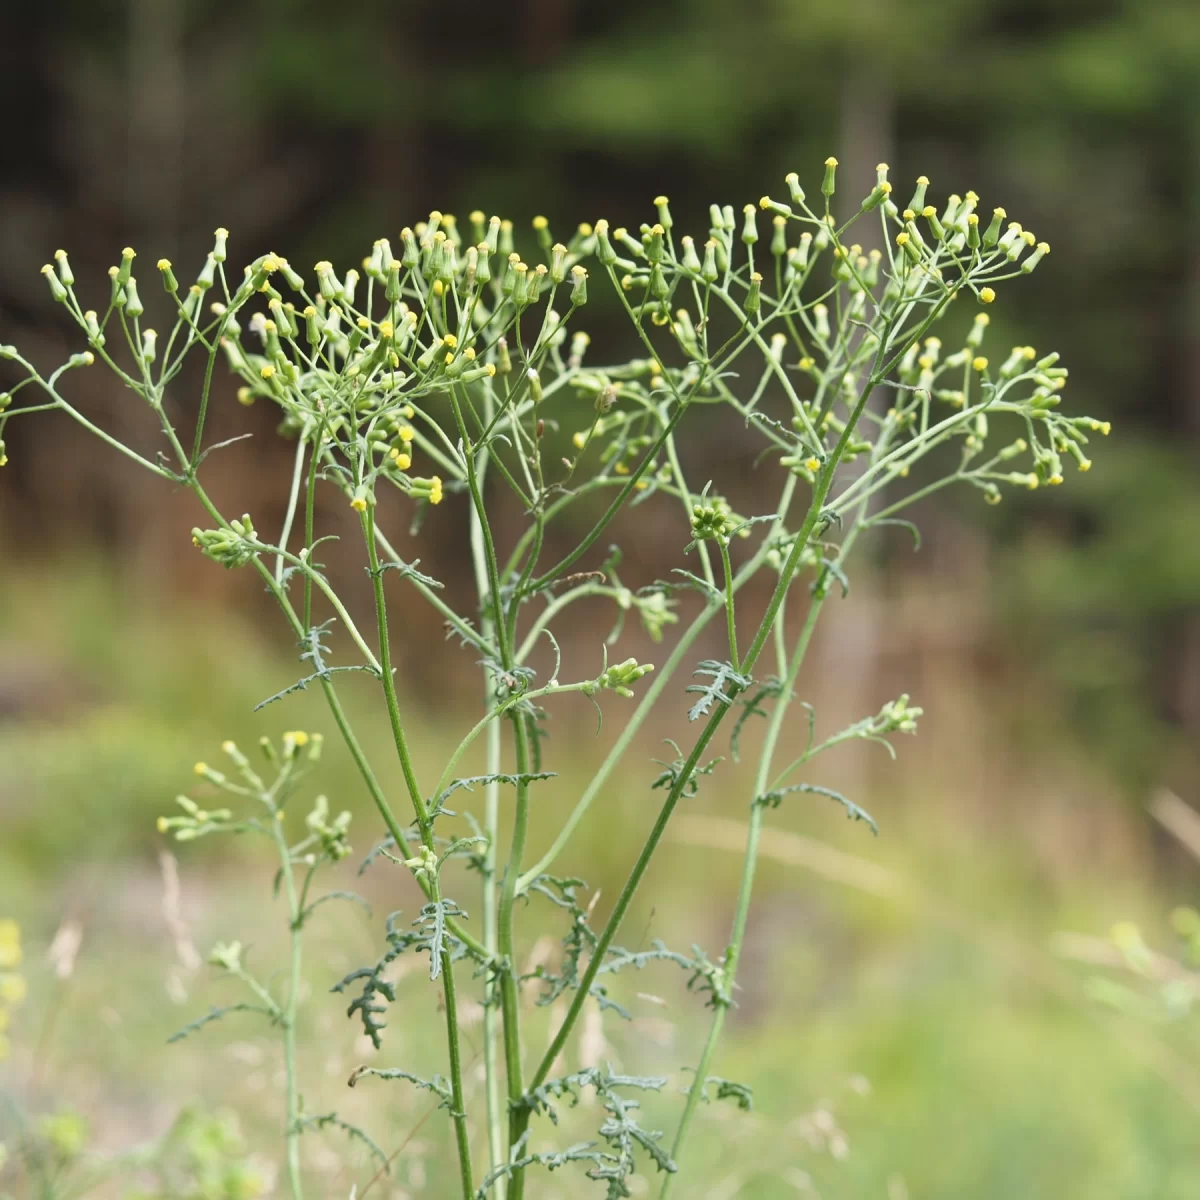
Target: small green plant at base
x,y
448,370
324,842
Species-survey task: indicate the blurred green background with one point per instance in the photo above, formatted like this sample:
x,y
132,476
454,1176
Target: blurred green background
x,y
912,998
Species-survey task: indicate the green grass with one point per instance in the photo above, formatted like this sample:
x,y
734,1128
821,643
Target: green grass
x,y
953,1052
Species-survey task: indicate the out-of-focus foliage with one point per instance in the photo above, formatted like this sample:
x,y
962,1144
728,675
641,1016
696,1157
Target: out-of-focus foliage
x,y
155,120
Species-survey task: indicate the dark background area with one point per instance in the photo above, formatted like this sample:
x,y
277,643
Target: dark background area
x,y
152,121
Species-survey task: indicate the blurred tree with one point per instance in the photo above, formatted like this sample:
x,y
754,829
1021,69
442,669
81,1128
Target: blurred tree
x,y
154,120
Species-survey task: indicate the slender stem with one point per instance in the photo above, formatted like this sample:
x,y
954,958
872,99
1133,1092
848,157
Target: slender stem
x,y
48,387
389,682
661,678
491,1029
461,627
505,940
824,482
753,836
497,1148
622,906
631,482
509,992
730,618
553,609
458,1114
290,1008
309,521
290,516
204,394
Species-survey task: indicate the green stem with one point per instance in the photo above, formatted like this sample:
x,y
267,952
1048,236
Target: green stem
x,y
295,924
509,991
389,682
730,619
458,1114
497,1149
824,482
745,890
661,678
457,1098
290,516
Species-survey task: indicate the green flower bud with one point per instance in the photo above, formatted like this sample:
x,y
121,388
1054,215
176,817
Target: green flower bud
x,y
976,332
878,195
709,271
1040,252
410,254
506,238
133,302
126,267
483,264
285,318
779,236
64,268
227,955
605,250
312,327
294,280
749,226
221,237
435,256
535,385
711,521
829,182
691,262
448,268
579,278
753,301
906,242
493,234
619,678
935,226
558,263
207,273
653,243
170,283
95,337
794,188
231,547
57,292
800,260
542,228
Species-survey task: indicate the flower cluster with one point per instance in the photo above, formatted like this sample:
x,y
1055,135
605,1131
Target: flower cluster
x,y
622,675
233,546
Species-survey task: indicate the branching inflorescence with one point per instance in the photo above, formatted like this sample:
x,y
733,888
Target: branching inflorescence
x,y
444,370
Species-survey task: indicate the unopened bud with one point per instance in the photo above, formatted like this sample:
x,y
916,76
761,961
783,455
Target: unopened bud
x,y
579,278
829,182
